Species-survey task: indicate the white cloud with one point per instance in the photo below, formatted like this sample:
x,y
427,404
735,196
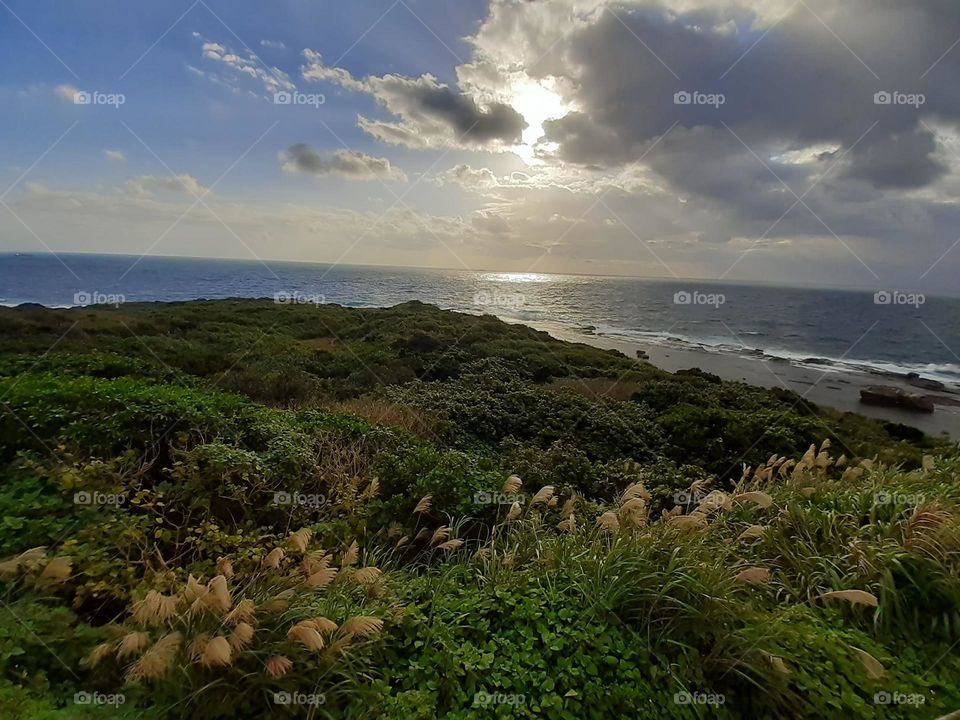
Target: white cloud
x,y
115,155
239,69
67,92
149,185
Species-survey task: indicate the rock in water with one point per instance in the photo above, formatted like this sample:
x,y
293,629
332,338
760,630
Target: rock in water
x,y
895,397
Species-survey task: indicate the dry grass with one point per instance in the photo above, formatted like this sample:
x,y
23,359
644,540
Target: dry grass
x,y
383,412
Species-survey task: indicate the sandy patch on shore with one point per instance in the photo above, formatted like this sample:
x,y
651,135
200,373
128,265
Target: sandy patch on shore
x,y
820,384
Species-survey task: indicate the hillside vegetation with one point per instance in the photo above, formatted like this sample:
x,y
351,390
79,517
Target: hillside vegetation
x,y
242,509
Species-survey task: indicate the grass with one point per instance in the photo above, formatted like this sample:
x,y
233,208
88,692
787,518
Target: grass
x,y
263,511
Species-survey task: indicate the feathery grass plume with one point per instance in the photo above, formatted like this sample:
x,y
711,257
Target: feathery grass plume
x,y
350,556
306,635
422,535
544,495
568,524
156,661
315,561
552,502
155,608
778,664
450,545
224,567
786,468
424,504
219,596
569,506
320,579
752,532
440,534
512,485
841,462
867,463
798,471
928,463
823,461
197,646
99,653
132,644
301,539
362,625
808,491
31,559
825,444
636,490
715,500
372,490
367,575
688,522
854,597
272,559
279,602
243,612
218,653
809,456
322,624
753,575
241,636
608,522
402,541
27,560
56,571
515,511
193,589
851,474
277,666
875,670
760,499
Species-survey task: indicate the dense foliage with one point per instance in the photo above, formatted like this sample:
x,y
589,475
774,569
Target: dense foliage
x,y
237,509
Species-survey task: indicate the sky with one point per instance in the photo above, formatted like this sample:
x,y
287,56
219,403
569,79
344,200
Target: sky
x,y
805,141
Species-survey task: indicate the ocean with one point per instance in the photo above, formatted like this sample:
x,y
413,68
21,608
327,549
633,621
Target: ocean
x,y
887,331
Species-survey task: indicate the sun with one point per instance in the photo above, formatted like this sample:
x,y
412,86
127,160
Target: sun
x,y
537,101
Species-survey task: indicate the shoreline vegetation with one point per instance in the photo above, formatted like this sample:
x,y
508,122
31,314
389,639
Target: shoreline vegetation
x,y
235,508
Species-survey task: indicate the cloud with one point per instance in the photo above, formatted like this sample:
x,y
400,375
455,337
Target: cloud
x,y
431,114
476,179
115,155
274,44
239,69
149,185
348,164
67,92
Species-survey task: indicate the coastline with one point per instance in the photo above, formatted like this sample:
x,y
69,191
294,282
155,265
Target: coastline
x,y
821,384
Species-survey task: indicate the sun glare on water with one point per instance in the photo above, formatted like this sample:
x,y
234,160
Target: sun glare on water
x,y
538,102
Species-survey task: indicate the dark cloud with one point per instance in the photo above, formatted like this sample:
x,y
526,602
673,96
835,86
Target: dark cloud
x,y
430,113
345,163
